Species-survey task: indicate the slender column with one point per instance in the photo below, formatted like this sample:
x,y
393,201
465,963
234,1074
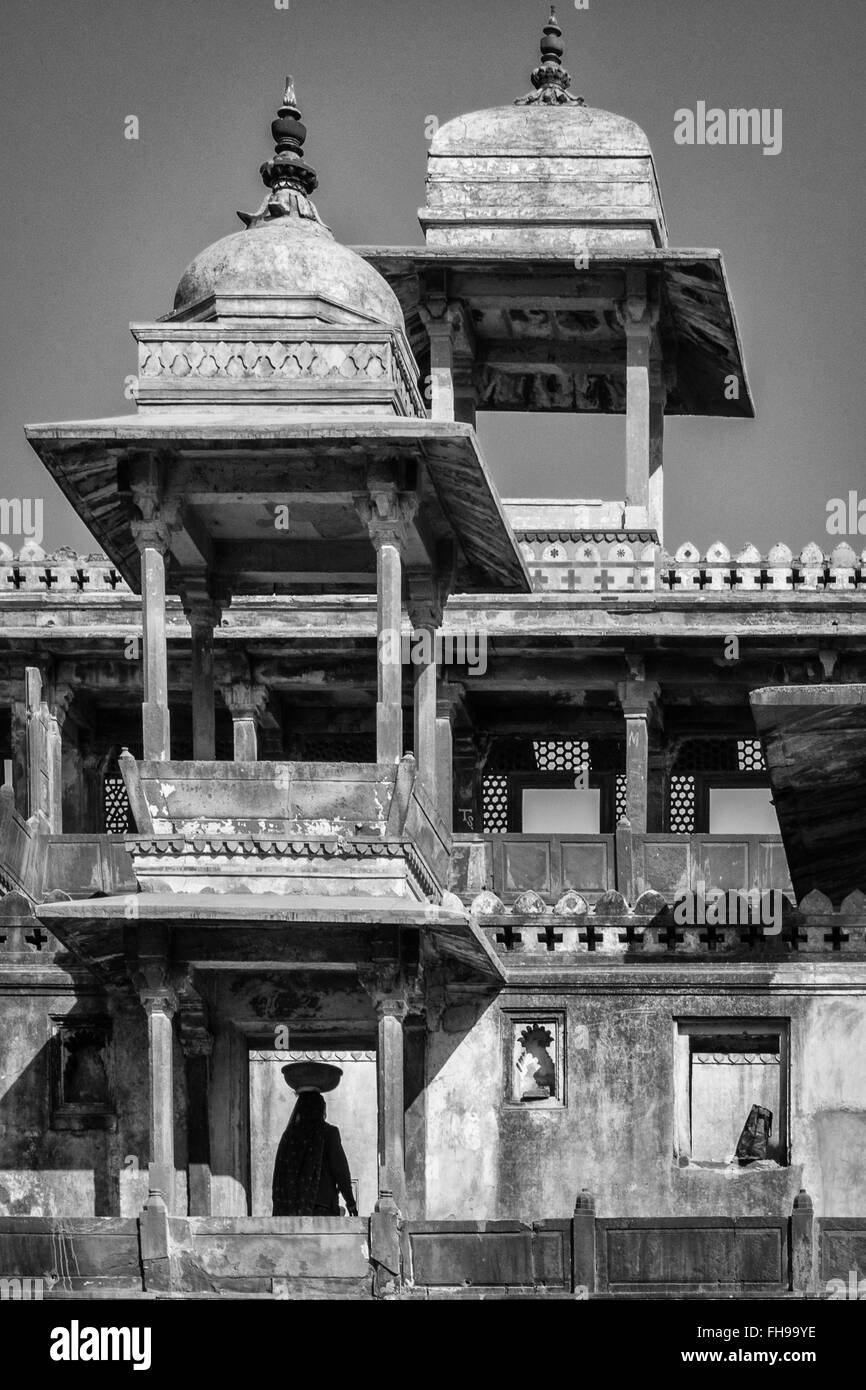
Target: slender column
x,y
390,1013
44,754
449,333
387,515
425,710
151,536
656,458
425,614
638,316
389,679
390,992
203,615
245,701
197,1045
448,700
20,782
160,1002
638,699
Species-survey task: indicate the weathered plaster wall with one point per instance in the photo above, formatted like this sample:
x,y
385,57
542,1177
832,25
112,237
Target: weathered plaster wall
x,y
616,1133
46,1171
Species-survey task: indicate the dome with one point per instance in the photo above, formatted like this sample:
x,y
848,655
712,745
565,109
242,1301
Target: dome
x,y
285,252
294,258
546,174
566,130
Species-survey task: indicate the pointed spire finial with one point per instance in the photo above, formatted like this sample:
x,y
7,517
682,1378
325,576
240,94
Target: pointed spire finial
x,y
288,176
550,80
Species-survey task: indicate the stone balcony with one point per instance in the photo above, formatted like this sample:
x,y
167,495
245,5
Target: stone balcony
x,y
326,829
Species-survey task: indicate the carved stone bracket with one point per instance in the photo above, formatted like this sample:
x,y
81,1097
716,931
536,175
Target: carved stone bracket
x,y
387,514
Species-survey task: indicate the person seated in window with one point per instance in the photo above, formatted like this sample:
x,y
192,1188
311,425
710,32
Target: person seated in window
x,y
311,1170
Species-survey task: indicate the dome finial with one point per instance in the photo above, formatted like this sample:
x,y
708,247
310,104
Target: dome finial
x,y
288,176
550,80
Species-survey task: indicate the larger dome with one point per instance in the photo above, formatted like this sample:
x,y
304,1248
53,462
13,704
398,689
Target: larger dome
x,y
292,258
545,174
567,130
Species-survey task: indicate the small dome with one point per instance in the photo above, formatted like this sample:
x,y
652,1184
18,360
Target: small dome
x,y
293,257
286,251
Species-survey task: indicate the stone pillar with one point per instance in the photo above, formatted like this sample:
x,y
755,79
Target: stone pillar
x,y
387,515
425,711
160,1002
638,316
802,1237
389,678
426,602
450,335
20,780
203,615
638,698
658,396
390,995
448,701
43,754
197,1044
151,535
391,1010
245,701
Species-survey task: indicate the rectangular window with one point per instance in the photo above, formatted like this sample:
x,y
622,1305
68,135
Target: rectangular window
x,y
742,811
561,811
81,1075
731,1085
534,1060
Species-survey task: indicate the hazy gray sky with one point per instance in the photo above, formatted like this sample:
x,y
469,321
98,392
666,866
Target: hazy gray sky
x,y
98,229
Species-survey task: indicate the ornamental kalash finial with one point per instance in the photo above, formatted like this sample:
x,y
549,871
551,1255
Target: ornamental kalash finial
x,y
550,79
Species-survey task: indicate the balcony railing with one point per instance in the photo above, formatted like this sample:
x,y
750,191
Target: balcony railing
x,y
629,863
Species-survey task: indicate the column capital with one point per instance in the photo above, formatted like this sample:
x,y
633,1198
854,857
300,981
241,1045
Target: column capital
x,y
203,604
449,698
392,993
425,605
245,699
444,317
387,515
637,314
155,990
152,533
639,698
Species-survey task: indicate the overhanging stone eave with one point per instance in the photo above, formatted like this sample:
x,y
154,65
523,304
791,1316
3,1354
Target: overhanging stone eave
x,y
399,264
450,449
97,931
814,741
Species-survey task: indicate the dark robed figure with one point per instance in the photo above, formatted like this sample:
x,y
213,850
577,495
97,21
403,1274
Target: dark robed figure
x,y
311,1170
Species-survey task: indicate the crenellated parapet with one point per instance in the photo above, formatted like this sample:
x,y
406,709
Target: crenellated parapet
x,y
31,570
841,570
604,561
534,935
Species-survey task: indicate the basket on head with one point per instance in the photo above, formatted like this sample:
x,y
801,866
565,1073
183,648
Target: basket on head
x,y
312,1076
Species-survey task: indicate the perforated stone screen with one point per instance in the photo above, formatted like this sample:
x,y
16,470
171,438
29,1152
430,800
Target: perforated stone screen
x,y
682,805
118,818
495,804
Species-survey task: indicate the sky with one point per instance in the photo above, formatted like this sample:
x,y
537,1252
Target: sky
x,y
97,229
